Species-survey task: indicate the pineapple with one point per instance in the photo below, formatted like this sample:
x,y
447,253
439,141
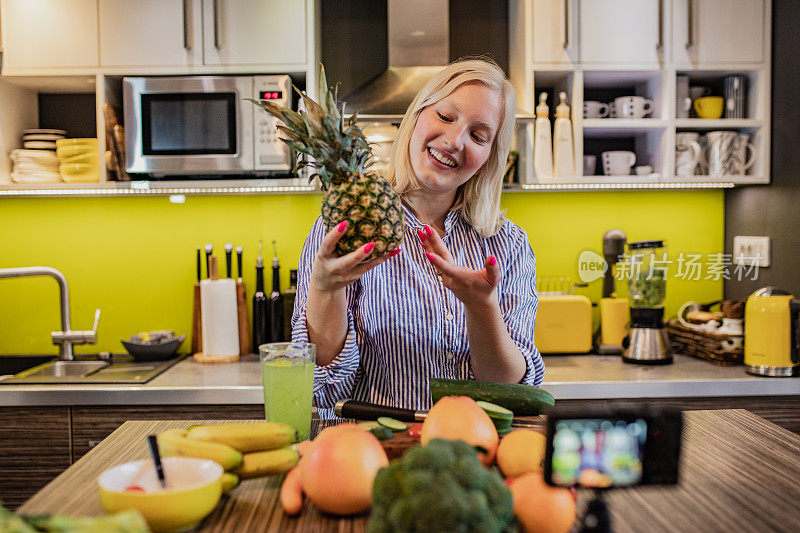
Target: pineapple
x,y
342,157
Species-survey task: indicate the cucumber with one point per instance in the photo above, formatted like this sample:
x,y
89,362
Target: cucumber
x,y
391,423
369,424
522,400
382,433
495,411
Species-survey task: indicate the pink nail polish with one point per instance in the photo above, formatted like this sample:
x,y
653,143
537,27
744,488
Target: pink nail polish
x,y
342,226
492,260
430,257
422,235
428,230
368,248
395,252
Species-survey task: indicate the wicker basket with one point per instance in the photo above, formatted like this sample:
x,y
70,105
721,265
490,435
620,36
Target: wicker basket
x,y
711,347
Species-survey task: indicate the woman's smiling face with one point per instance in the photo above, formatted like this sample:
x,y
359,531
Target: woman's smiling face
x,y
454,136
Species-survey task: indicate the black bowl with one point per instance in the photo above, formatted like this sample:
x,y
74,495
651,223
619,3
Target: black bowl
x,y
154,352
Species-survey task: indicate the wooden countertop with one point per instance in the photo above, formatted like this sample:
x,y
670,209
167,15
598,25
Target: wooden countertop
x,y
738,473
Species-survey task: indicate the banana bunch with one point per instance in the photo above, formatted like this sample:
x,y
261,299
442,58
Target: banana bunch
x,y
243,450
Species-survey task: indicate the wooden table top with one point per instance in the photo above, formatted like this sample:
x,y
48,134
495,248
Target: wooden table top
x,y
739,472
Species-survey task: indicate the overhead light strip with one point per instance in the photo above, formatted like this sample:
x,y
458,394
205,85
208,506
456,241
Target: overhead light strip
x,y
621,186
155,191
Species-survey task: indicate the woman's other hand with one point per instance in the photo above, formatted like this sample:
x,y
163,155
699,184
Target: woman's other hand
x,y
331,273
472,287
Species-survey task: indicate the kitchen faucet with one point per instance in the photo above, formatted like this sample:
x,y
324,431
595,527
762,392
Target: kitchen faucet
x,y
66,337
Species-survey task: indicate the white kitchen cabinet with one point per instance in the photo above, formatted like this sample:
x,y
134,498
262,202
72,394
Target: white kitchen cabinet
x,y
717,31
254,32
42,34
157,33
621,32
554,31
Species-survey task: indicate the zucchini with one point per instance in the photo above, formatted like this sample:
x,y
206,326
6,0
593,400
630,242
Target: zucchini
x,y
382,433
522,400
369,425
391,423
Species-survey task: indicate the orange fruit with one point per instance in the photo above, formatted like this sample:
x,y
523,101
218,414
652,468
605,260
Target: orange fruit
x,y
521,451
338,470
541,508
460,418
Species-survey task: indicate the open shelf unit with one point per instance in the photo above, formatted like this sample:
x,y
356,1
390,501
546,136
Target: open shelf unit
x,y
563,63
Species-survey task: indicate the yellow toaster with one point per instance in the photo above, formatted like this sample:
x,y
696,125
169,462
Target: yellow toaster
x,y
564,324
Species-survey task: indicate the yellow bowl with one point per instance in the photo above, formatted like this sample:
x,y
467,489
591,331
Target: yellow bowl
x,y
88,158
194,487
69,151
80,172
85,141
709,107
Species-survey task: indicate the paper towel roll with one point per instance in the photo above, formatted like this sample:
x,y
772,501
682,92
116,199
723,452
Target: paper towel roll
x,y
220,320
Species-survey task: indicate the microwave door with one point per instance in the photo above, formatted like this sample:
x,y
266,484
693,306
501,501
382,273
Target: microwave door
x,y
191,126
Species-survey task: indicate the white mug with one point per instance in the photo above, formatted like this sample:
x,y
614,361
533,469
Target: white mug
x,y
633,106
589,165
593,109
688,153
618,162
726,153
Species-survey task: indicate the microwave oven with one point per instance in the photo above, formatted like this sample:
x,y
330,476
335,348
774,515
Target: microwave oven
x,y
202,125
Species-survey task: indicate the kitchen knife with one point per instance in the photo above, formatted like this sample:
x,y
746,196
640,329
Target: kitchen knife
x,y
199,268
371,411
209,251
228,257
239,250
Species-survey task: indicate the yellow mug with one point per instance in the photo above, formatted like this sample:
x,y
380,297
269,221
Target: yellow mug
x,y
709,106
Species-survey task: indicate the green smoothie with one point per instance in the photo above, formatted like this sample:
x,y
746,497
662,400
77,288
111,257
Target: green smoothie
x,y
288,389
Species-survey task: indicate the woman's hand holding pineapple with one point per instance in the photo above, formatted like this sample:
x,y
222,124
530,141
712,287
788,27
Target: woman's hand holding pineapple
x,y
332,273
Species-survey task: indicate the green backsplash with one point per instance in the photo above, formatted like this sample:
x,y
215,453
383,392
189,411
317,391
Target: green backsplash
x,y
134,257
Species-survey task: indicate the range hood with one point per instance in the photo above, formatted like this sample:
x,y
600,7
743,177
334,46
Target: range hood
x,y
418,42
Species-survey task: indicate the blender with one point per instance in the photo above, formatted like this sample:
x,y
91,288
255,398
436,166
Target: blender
x,y
647,341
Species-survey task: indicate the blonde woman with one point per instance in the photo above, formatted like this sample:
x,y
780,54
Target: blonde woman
x,y
459,301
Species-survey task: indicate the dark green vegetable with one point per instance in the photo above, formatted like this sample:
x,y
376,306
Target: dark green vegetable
x,y
523,400
382,433
123,522
437,488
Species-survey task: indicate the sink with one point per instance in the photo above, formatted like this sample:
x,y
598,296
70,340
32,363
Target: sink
x,y
12,364
64,369
121,369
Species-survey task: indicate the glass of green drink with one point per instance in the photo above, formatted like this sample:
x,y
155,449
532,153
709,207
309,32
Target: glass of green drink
x,y
288,372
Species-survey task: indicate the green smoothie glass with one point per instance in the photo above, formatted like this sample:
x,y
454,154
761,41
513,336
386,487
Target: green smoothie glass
x,y
287,369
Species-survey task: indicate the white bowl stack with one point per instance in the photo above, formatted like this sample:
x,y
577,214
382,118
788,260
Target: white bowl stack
x,y
37,161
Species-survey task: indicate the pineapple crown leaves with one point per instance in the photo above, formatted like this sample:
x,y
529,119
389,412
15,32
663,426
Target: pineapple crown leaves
x,y
339,148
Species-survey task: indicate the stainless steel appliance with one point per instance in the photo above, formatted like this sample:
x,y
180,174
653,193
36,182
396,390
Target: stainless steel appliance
x,y
202,125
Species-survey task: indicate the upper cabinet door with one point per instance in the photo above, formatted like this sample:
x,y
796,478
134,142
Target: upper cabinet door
x,y
621,31
45,34
717,31
554,36
153,33
255,32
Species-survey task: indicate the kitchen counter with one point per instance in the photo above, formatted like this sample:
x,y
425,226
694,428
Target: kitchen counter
x,y
579,377
738,473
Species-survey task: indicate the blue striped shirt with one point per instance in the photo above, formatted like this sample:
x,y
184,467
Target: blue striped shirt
x,y
405,327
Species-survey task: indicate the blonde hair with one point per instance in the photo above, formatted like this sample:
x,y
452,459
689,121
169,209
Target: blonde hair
x,y
478,199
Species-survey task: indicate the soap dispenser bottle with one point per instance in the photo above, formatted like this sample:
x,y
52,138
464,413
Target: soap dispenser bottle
x,y
542,144
563,152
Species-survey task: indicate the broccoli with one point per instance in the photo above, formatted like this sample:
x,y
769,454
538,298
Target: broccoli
x,y
440,487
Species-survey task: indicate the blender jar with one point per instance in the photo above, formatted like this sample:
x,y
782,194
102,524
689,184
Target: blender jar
x,y
647,284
